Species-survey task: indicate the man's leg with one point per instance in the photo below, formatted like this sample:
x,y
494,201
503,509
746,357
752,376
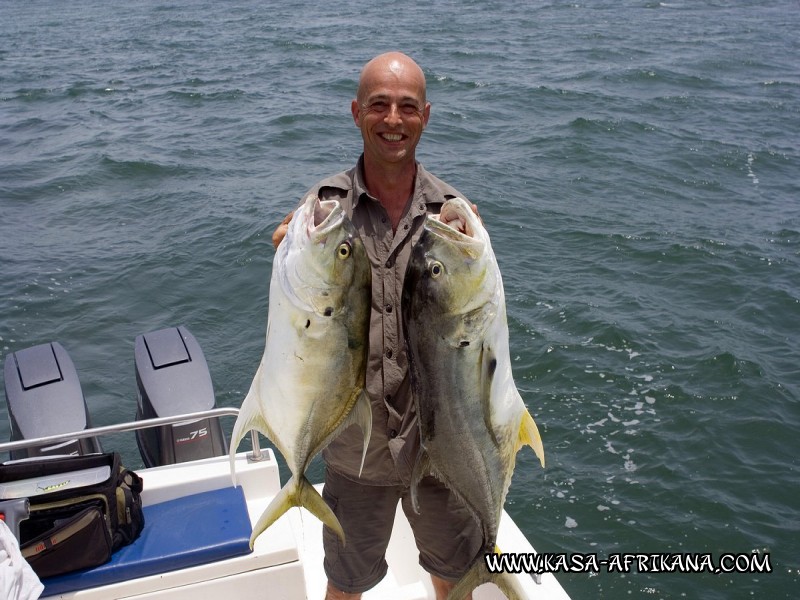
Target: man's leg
x,y
442,588
366,514
447,535
334,593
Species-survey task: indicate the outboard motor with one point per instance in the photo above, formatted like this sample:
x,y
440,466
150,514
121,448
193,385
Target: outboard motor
x,y
44,397
172,379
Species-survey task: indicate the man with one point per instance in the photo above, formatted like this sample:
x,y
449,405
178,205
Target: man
x,y
387,196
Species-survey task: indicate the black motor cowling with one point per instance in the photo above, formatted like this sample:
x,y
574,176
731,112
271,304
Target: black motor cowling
x,y
172,378
44,398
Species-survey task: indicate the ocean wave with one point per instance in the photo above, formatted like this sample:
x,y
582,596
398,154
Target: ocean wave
x,y
194,97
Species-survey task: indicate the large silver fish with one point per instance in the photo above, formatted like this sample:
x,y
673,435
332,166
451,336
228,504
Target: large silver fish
x,y
310,383
472,419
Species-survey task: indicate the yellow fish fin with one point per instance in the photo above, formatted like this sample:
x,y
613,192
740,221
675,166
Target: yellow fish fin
x,y
529,435
297,492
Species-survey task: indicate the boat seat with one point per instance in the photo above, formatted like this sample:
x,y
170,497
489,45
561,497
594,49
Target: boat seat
x,y
185,532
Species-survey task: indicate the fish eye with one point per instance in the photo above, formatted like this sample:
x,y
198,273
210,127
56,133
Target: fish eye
x,y
436,269
344,250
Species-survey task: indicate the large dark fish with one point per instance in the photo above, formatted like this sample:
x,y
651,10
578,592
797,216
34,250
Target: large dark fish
x,y
472,419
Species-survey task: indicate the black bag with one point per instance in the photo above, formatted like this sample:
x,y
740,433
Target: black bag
x,y
70,527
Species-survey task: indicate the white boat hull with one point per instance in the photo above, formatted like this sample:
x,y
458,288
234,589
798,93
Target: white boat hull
x,y
286,562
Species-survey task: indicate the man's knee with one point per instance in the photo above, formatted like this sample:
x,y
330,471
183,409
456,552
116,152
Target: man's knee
x,y
334,593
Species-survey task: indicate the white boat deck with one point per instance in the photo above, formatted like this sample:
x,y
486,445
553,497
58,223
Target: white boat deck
x,y
286,562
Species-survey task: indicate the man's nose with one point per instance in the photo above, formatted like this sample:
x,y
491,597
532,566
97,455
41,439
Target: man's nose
x,y
393,115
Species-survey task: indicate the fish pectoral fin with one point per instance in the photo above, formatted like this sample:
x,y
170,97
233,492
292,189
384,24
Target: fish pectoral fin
x,y
361,415
297,492
529,434
422,467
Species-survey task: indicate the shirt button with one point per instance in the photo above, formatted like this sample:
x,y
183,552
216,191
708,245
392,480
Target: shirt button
x,y
392,433
389,264
389,353
388,308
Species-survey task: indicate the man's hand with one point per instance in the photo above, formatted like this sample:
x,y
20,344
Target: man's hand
x,y
280,230
475,210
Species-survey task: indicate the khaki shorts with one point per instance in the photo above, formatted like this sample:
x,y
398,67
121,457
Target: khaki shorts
x,y
447,535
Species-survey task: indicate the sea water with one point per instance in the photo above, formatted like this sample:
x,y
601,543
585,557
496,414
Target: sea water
x,y
636,165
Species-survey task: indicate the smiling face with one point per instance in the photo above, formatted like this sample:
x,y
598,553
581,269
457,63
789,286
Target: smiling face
x,y
391,109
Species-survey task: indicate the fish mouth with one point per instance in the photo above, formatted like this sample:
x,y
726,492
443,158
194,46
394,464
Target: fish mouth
x,y
457,221
459,218
458,224
323,216
447,230
457,231
468,248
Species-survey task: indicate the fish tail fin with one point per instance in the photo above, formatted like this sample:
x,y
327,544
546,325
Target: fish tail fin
x,y
479,574
476,575
529,434
311,500
298,491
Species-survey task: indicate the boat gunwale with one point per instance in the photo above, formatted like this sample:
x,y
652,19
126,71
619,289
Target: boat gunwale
x,y
137,425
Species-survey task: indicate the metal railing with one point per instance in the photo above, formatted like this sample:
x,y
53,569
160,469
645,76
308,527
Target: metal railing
x,y
256,455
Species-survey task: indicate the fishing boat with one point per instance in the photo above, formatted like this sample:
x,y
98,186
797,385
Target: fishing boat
x,y
195,541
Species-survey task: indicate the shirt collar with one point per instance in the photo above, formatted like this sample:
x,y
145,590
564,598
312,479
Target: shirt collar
x,y
359,188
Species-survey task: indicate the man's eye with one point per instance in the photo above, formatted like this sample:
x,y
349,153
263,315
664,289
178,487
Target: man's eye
x,y
379,106
409,109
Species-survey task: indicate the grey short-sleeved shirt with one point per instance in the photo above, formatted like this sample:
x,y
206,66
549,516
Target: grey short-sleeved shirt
x,y
395,436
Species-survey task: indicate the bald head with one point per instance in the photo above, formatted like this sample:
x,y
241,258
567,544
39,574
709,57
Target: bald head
x,y
391,112
391,65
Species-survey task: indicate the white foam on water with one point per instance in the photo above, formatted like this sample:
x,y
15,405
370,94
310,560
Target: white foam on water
x,y
750,173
